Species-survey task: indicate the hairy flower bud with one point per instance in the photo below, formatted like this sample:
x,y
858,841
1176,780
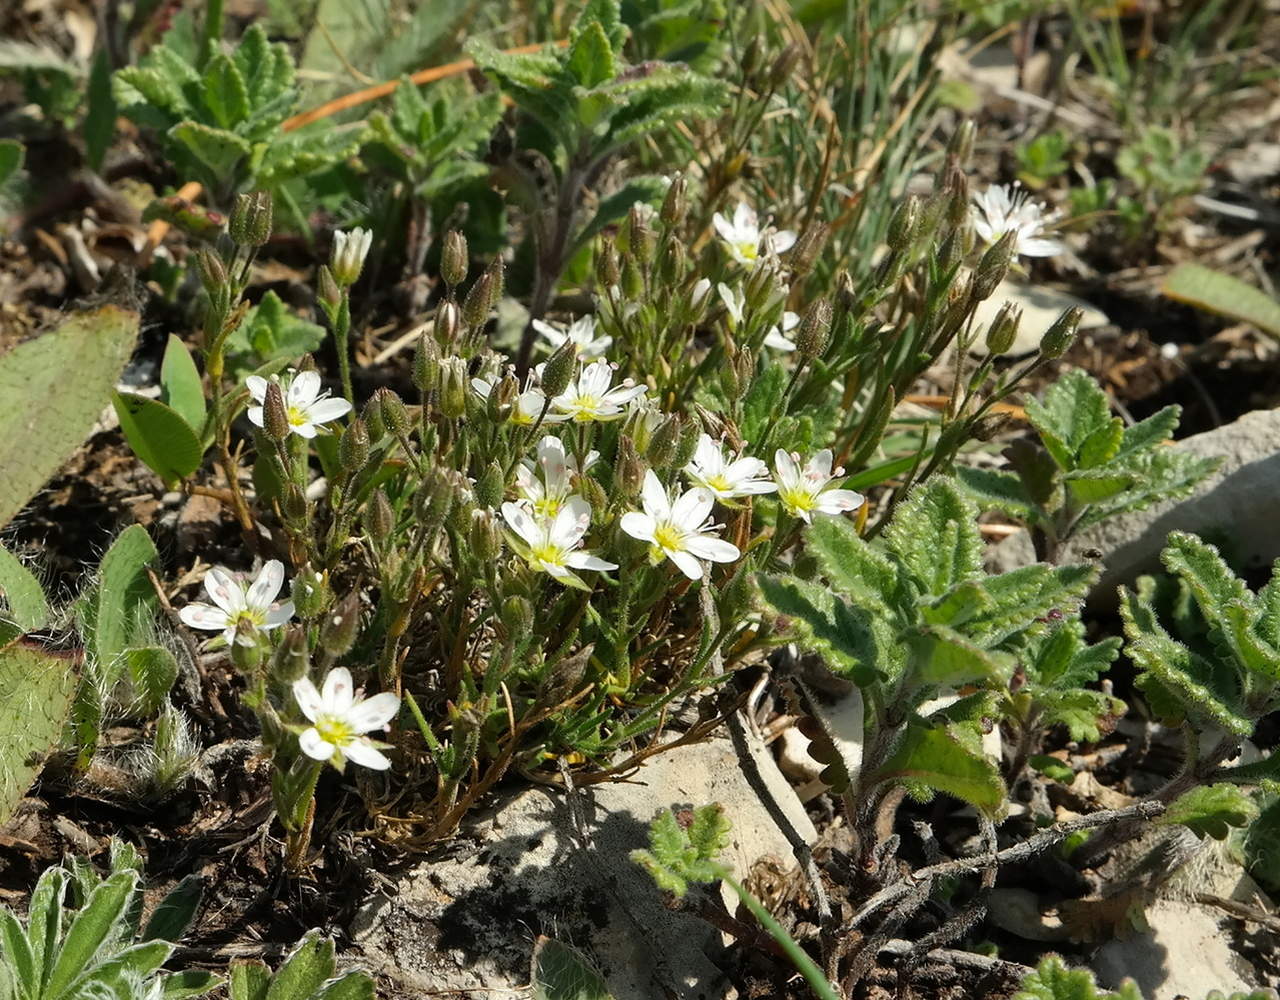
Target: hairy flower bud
x,y
435,501
557,373
327,290
338,630
485,537
993,266
675,204
213,273
490,486
957,210
292,658
904,224
1059,336
348,256
672,264
592,492
687,445
502,398
454,259
448,322
275,417
662,446
497,272
246,648
607,273
1003,329
961,144
807,247
379,518
475,307
782,68
311,593
353,447
250,223
453,387
394,413
295,504
639,235
517,617
632,278
372,417
426,365
628,470
814,332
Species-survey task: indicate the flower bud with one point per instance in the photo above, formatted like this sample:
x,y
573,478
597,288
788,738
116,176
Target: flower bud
x,y
394,413
453,387
275,417
744,371
688,443
639,235
426,365
607,273
1003,329
675,204
327,290
782,68
961,144
250,223
993,266
372,417
814,332
806,249
750,56
517,617
349,251
662,446
904,224
632,278
435,501
353,447
1059,336
292,658
475,307
628,470
592,492
339,629
485,537
957,188
379,518
502,398
557,373
490,486
307,363
295,504
246,648
311,593
672,264
952,252
497,272
213,273
454,259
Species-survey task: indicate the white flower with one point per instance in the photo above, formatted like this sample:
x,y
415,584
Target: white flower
x,y
776,337
744,239
582,331
544,485
735,303
304,404
681,531
529,404
808,491
234,603
698,294
727,478
340,719
1003,209
592,395
550,544
349,251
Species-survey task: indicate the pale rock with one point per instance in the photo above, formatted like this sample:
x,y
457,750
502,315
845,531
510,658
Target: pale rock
x,y
1040,306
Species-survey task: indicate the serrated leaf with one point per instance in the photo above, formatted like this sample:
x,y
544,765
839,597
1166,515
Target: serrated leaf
x,y
1074,408
1220,293
961,603
159,436
942,656
21,593
1022,595
1052,980
992,489
850,564
225,93
218,150
1086,713
1097,485
43,420
934,533
939,759
1150,433
1102,445
307,966
1211,810
1052,768
590,58
845,636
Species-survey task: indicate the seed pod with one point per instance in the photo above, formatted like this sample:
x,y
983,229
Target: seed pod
x,y
957,210
454,259
807,248
687,445
475,307
632,278
426,365
782,68
814,332
1003,329
639,235
672,264
1059,336
250,223
295,504
448,322
675,204
490,486
662,446
311,593
275,417
993,266
453,387
213,273
246,649
557,373
497,272
502,398
485,537
353,447
338,630
961,144
394,414
379,517
292,658
628,470
904,225
327,290
607,273
372,417
435,501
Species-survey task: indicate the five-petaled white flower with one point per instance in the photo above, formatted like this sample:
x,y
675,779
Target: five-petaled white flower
x,y
235,604
304,404
528,405
551,544
735,304
582,331
545,482
740,476
349,251
744,240
680,531
340,718
1004,209
592,395
808,491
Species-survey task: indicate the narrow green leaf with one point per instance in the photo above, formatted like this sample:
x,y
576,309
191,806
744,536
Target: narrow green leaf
x,y
851,565
100,116
174,914
11,156
159,436
183,390
17,954
353,985
101,914
191,983
21,593
36,689
125,593
249,980
44,918
308,965
225,93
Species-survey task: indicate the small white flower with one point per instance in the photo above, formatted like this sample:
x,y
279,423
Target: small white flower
x,y
349,251
680,531
545,484
582,331
592,395
551,544
304,404
234,603
776,337
744,239
808,491
698,294
735,304
528,406
1004,209
740,476
340,718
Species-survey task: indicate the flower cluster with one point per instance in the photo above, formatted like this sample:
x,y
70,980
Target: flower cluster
x,y
1003,209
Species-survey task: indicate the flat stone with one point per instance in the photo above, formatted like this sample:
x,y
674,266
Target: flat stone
x,y
468,922
1233,508
1040,306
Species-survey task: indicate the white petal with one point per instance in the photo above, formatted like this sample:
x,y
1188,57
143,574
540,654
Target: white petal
x,y
307,430
785,467
724,227
278,615
745,220
254,414
310,743
324,410
374,713
307,697
687,564
257,386
637,525
839,501
362,752
225,590
692,508
654,497
266,586
338,692
521,523
714,549
304,388
585,560
204,616
783,241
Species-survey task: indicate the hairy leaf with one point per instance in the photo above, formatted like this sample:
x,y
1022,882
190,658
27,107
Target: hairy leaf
x,y
1211,810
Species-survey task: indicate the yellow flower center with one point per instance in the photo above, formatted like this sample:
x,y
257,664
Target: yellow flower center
x,y
250,617
547,506
749,251
720,483
296,416
335,730
552,555
797,500
667,536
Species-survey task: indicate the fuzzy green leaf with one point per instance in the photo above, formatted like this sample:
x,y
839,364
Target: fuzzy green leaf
x,y
125,594
1086,713
36,690
1097,485
1052,980
225,93
675,858
591,57
992,489
1211,810
563,973
1074,408
308,965
1150,433
188,983
1102,445
935,535
938,758
845,636
21,594
249,979
942,656
174,914
851,565
1021,596
92,926
959,604
1051,768
218,151
353,985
